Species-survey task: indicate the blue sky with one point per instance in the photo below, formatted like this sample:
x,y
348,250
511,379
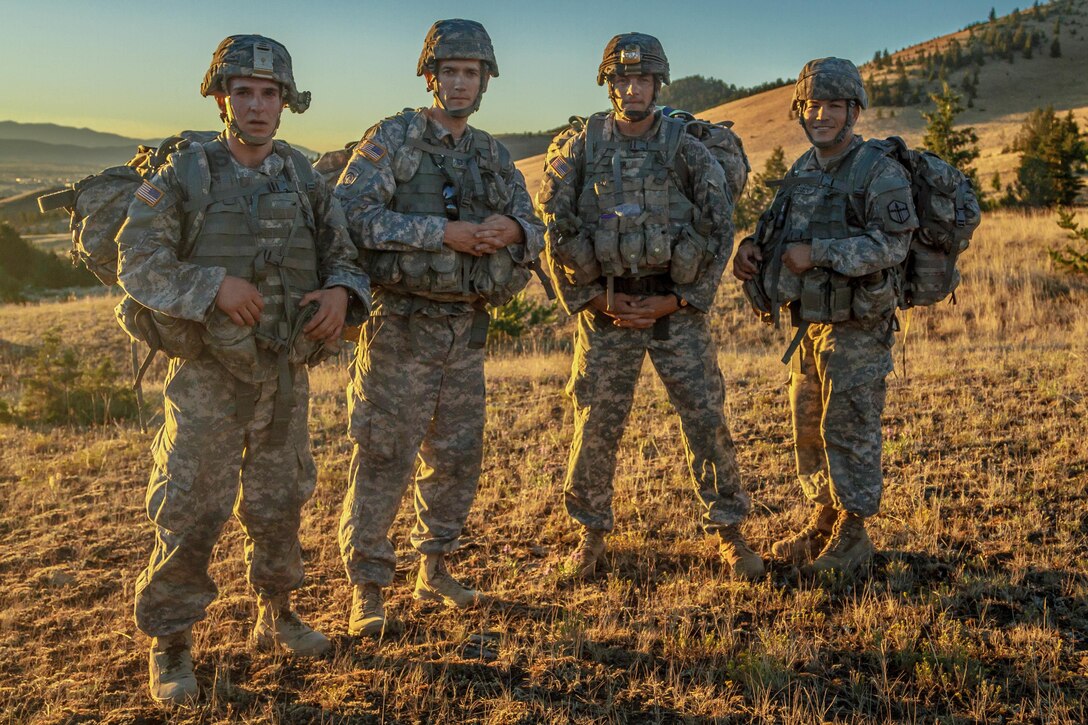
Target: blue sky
x,y
135,67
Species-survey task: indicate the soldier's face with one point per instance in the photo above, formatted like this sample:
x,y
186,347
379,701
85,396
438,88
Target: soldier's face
x,y
255,104
825,119
458,83
632,93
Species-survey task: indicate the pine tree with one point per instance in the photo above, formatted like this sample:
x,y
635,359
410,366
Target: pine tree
x,y
957,146
1056,48
1053,152
757,195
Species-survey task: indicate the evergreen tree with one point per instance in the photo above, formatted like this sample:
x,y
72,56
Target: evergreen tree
x,y
1056,48
1053,152
957,146
757,195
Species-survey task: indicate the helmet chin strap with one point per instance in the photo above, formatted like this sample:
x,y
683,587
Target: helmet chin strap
x,y
632,116
846,129
248,139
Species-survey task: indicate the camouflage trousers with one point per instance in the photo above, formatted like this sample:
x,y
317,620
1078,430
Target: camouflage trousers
x,y
837,392
416,403
206,464
607,363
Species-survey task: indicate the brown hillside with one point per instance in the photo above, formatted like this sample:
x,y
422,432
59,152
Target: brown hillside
x,y
1007,92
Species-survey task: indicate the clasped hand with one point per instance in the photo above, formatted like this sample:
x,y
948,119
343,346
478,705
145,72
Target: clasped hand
x,y
634,311
487,237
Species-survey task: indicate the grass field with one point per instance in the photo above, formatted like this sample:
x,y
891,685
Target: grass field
x,y
976,609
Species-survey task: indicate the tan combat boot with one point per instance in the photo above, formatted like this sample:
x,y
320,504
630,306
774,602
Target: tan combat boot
x,y
589,555
806,544
278,627
171,668
367,611
743,563
434,583
848,549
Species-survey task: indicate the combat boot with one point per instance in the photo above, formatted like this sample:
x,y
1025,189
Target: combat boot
x,y
589,555
367,611
848,549
743,563
806,544
434,584
279,627
170,666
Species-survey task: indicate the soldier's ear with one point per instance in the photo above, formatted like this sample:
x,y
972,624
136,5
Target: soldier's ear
x,y
221,101
429,77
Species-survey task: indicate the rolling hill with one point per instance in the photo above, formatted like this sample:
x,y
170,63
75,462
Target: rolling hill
x,y
1006,93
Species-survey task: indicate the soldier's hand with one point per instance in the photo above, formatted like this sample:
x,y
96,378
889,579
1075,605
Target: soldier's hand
x,y
746,262
240,301
798,258
328,322
643,312
461,237
498,231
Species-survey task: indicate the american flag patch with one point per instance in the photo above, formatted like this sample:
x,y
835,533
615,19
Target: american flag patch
x,y
149,194
371,150
560,166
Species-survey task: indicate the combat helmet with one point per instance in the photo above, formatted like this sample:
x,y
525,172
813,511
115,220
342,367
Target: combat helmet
x,y
633,54
458,39
253,56
829,79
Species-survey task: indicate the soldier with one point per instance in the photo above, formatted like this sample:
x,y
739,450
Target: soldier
x,y
639,229
248,269
446,229
828,250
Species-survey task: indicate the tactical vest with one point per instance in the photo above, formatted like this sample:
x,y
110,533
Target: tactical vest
x,y
639,220
810,205
429,176
265,233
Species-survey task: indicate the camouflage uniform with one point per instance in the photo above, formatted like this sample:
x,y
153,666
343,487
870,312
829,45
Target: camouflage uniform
x,y
417,388
210,455
607,358
837,376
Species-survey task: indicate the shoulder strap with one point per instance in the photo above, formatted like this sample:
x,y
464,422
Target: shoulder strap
x,y
594,134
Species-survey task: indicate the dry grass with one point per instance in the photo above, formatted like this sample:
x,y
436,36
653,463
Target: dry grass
x,y
975,611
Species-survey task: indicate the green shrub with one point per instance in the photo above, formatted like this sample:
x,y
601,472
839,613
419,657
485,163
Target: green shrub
x,y
59,386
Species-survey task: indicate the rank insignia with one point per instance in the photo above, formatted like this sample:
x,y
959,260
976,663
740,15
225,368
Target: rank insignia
x,y
149,194
898,212
372,151
560,166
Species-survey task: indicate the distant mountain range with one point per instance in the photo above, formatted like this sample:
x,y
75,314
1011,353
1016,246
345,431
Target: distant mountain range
x,y
51,133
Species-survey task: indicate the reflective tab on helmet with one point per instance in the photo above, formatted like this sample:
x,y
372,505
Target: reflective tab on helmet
x,y
631,55
262,60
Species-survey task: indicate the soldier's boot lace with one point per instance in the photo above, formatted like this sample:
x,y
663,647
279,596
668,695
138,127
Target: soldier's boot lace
x,y
589,555
170,666
805,545
367,611
434,583
743,563
279,627
848,549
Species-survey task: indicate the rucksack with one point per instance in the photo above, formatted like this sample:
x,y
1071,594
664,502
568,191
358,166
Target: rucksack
x,y
724,145
98,206
948,214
